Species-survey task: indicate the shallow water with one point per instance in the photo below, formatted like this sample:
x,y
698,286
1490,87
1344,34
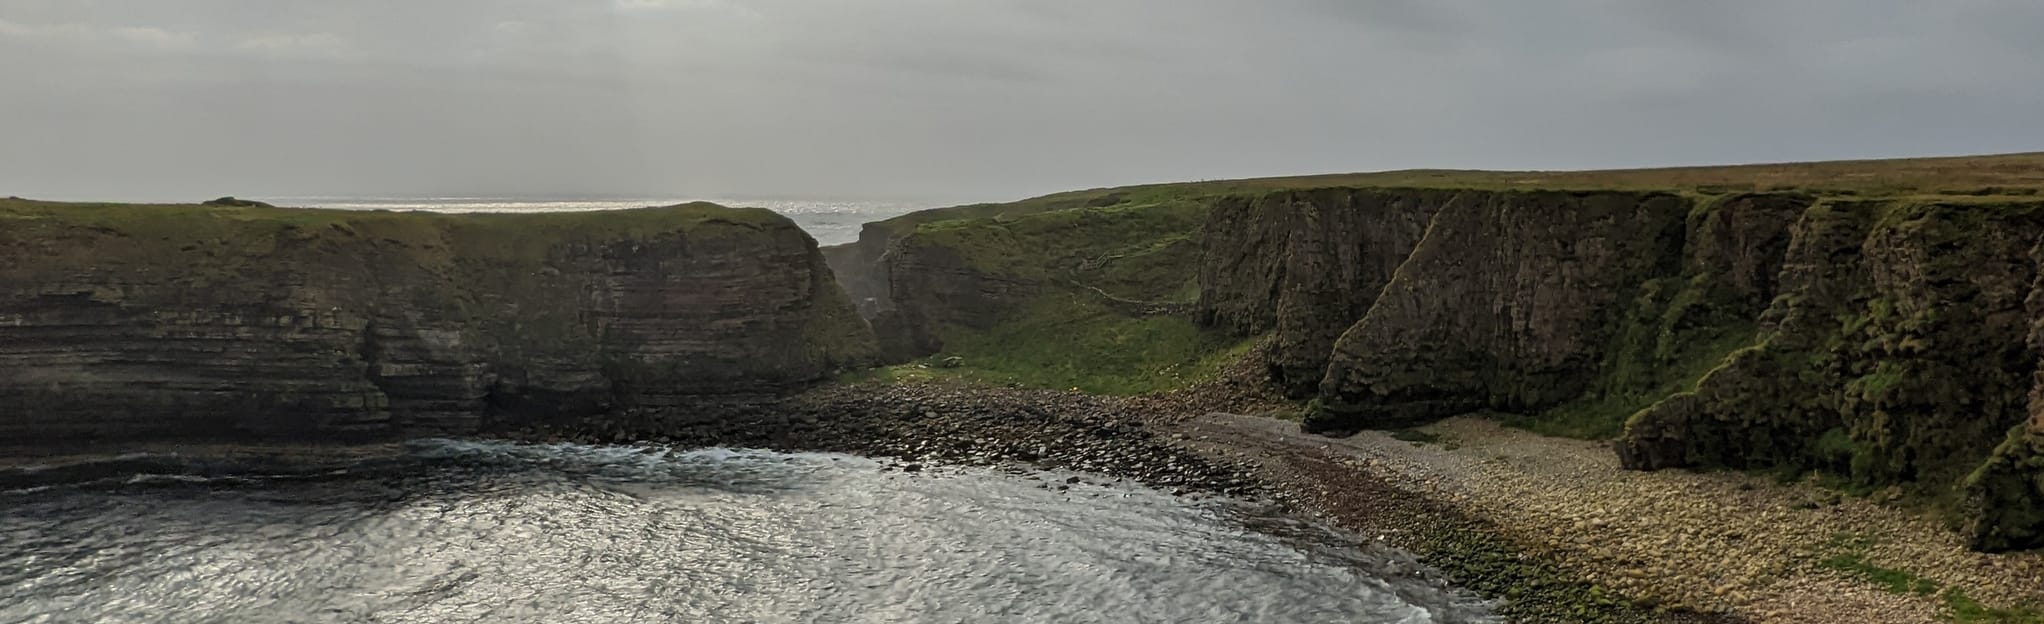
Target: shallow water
x,y
460,531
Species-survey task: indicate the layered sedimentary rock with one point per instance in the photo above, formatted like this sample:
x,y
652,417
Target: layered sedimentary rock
x,y
862,266
1305,265
1875,320
1901,349
935,281
1500,305
123,322
1891,341
933,286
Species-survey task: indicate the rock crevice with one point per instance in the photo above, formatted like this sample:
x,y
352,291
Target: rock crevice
x,y
1889,341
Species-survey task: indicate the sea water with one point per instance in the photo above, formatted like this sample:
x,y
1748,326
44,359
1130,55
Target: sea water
x,y
474,531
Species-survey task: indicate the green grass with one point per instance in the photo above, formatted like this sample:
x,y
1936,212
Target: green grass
x,y
1105,282
1998,175
1889,579
1967,610
154,233
1066,341
1103,244
1601,414
1851,559
1953,177
1679,328
1599,418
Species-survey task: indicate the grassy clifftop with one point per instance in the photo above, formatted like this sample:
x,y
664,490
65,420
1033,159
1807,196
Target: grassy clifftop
x,y
1146,242
2001,174
207,321
148,227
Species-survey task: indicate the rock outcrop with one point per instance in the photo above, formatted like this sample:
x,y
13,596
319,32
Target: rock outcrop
x,y
123,322
1901,349
1501,305
1890,341
866,269
1878,321
862,268
1306,265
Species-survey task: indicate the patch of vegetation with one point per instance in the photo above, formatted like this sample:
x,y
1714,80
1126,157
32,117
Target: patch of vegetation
x,y
1069,341
1659,353
1115,248
1851,559
2008,492
1854,562
1094,295
1995,176
1966,610
1686,318
1536,588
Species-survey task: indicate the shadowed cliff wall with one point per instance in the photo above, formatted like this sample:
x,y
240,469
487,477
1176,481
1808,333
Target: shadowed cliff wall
x,y
126,322
1888,341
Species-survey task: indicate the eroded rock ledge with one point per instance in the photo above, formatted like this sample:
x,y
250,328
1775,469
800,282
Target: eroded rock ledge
x,y
1841,317
127,322
1890,341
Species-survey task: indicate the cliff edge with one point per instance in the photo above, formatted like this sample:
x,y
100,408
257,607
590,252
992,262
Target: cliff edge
x,y
165,322
1876,322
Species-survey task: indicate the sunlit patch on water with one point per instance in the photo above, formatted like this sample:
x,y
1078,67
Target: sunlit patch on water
x,y
461,531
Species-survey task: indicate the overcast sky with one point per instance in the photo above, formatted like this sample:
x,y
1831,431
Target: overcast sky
x,y
974,99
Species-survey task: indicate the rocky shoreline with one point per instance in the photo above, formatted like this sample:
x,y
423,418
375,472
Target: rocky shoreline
x,y
1551,525
930,423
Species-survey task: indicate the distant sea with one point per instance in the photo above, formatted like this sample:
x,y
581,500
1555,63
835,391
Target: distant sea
x,y
832,222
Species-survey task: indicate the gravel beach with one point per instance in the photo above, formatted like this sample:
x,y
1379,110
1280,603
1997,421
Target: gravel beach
x,y
1715,542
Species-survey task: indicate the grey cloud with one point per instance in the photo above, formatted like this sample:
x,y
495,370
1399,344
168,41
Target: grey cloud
x,y
170,99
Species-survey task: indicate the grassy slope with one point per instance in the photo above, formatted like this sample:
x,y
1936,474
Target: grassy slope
x,y
2002,174
516,233
194,235
1070,336
1849,556
1151,232
1065,341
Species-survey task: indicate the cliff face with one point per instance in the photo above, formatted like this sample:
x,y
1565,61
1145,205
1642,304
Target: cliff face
x,y
973,268
1880,321
184,322
1500,305
1888,341
1900,350
1306,265
862,268
934,286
